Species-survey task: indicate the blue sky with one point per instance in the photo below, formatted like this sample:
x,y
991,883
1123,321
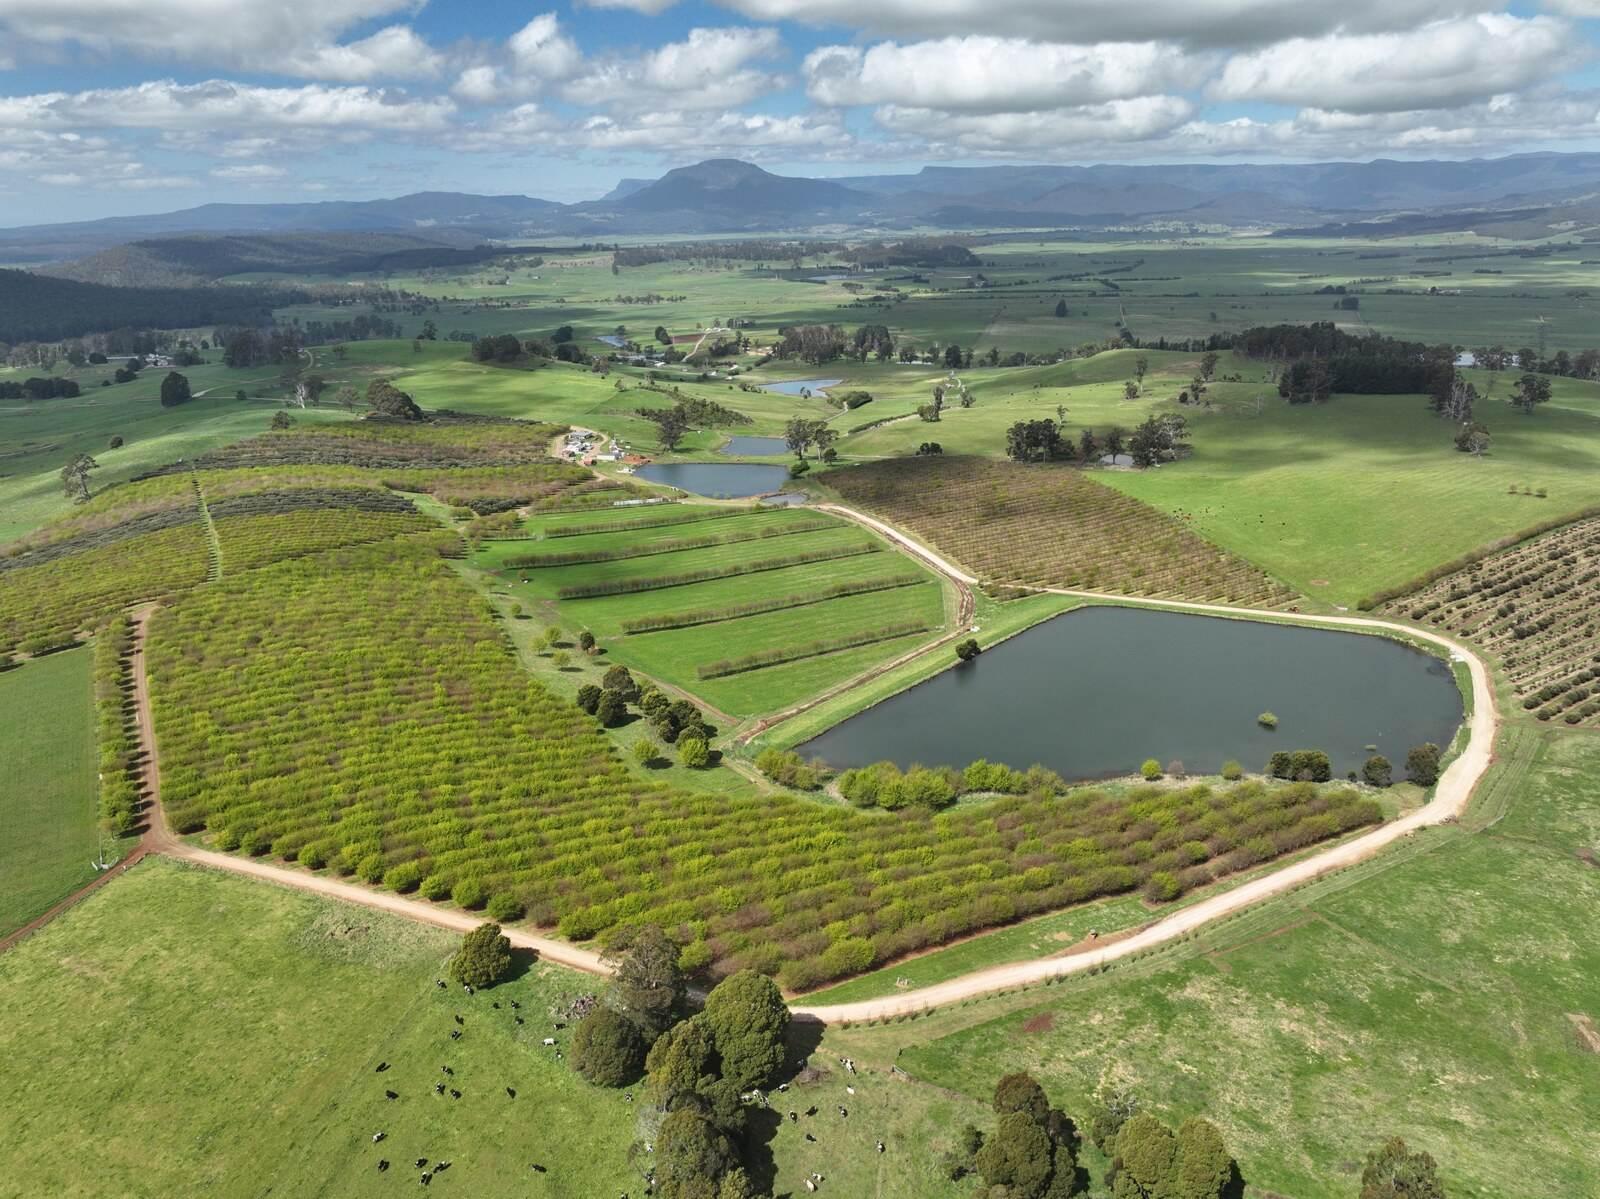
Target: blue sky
x,y
123,106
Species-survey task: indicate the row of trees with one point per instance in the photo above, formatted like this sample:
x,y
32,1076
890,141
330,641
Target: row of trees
x,y
1159,438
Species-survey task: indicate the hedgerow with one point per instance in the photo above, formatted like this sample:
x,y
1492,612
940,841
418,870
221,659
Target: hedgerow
x,y
119,795
762,659
753,566
691,517
359,709
1051,525
672,545
698,616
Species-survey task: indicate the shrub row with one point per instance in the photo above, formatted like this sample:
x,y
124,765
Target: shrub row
x,y
731,570
119,794
762,659
650,549
691,517
777,603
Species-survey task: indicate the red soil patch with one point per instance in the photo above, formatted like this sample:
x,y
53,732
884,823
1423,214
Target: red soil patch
x,y
1040,1023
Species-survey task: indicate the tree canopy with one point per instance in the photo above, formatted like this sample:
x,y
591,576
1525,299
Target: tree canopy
x,y
749,1023
484,957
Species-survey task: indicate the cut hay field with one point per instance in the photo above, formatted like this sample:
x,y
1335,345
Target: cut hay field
x,y
749,609
47,806
1426,994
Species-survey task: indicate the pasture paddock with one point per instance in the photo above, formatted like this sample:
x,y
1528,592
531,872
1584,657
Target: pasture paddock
x,y
48,804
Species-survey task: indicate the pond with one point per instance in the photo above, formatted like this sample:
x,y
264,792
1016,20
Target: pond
x,y
611,339
719,480
755,447
793,387
1093,693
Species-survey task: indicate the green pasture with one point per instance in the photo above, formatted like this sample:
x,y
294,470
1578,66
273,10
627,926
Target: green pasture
x,y
48,804
673,655
39,437
187,1029
1427,994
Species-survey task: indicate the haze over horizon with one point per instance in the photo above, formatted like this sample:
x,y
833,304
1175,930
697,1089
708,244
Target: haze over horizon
x,y
108,108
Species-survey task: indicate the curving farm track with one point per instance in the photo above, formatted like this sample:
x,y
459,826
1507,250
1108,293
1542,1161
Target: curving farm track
x,y
1451,795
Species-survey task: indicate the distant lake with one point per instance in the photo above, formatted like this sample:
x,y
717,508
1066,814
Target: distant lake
x,y
1093,693
754,447
795,386
719,480
611,339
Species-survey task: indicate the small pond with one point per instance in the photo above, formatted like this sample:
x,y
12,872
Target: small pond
x,y
611,339
1093,693
719,480
794,387
755,447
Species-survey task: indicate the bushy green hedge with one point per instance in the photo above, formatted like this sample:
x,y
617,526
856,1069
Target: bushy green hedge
x,y
777,603
728,571
761,659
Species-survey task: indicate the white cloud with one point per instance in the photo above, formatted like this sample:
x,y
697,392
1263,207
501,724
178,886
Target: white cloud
x,y
481,84
1574,8
249,172
280,36
540,49
1200,22
650,8
989,74
1443,64
1048,133
709,69
220,106
392,53
676,135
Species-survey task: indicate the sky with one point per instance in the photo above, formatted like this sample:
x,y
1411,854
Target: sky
x,y
112,107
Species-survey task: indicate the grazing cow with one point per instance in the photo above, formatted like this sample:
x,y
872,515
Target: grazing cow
x,y
467,987
793,1117
420,1162
849,1090
843,1114
390,1095
455,1034
783,1088
495,1005
519,1019
438,1088
440,1167
811,1111
810,1186
425,1178
880,1146
382,1066
515,1006
537,1168
446,1070
383,1164
378,1136
460,1021
811,1138
439,982
549,1040
511,1092
455,1094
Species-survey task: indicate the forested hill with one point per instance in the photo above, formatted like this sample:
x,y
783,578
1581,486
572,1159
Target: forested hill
x,y
40,308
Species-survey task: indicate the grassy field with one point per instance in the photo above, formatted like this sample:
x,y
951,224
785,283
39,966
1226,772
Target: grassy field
x,y
47,807
42,436
183,1029
1428,995
676,655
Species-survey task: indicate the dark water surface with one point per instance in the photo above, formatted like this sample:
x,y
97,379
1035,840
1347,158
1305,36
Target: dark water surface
x,y
1093,693
720,480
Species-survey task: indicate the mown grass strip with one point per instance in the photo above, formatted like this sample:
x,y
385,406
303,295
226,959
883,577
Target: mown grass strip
x,y
698,616
650,549
650,522
777,657
755,566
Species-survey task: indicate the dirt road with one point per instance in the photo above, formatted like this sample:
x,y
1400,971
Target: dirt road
x,y
1450,798
158,838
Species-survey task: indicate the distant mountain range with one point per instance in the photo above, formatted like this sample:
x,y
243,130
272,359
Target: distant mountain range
x,y
1557,192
